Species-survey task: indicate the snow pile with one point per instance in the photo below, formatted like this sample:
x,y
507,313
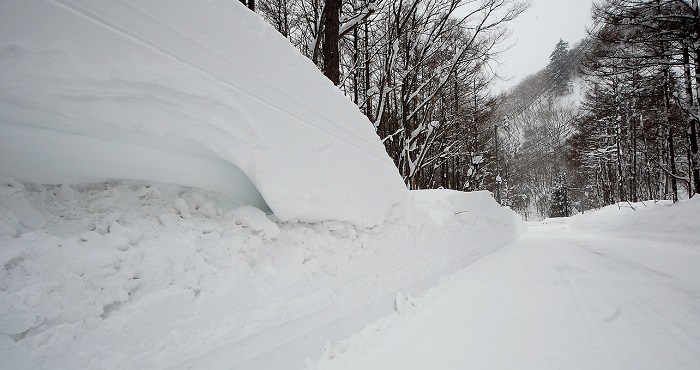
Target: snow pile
x,y
194,93
142,275
660,220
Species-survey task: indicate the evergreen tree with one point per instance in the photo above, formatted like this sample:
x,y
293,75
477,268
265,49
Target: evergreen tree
x,y
558,208
560,201
559,70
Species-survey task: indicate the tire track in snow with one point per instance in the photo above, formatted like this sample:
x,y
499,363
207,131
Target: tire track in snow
x,y
651,296
545,301
582,304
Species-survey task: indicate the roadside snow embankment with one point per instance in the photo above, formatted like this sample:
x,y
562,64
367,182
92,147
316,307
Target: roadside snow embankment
x,y
138,275
663,220
194,93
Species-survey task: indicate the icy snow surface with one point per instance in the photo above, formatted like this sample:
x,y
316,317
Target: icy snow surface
x,y
610,289
133,275
194,93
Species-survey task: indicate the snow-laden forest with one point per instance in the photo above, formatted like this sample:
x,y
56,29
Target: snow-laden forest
x,y
327,184
613,117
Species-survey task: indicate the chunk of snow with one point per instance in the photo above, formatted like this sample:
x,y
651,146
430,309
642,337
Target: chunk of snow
x,y
132,235
90,235
65,192
103,226
256,220
328,351
182,208
16,318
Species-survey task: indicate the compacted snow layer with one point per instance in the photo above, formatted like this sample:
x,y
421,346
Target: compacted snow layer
x,y
556,298
195,93
141,275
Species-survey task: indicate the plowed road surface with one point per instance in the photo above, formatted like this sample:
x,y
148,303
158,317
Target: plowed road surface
x,y
554,299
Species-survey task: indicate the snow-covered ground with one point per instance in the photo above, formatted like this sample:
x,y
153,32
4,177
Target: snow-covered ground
x,y
657,220
563,296
139,275
180,188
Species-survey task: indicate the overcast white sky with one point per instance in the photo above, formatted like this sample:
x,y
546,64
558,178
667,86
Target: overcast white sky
x,y
537,31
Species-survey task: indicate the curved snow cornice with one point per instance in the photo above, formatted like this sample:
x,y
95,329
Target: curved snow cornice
x,y
194,93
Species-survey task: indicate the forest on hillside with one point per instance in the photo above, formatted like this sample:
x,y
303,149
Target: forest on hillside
x,y
612,118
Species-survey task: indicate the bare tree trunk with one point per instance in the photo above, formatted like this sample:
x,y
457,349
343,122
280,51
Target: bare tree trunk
x,y
672,158
671,151
692,134
355,58
694,123
331,30
633,185
368,98
249,3
695,156
618,145
286,19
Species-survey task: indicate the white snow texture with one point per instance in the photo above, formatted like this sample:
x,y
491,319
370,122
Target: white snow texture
x,y
130,275
194,93
141,144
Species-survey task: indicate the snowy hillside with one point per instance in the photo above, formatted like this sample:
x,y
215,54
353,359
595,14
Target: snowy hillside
x,y
192,93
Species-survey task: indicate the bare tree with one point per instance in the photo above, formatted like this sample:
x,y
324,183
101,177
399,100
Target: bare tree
x,y
411,66
249,3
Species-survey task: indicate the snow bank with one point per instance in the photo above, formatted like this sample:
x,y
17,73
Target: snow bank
x,y
661,220
193,93
141,275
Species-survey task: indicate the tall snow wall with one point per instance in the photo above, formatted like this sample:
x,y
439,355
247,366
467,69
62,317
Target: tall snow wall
x,y
194,93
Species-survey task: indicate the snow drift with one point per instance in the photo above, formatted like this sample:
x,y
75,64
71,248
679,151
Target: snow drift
x,y
661,220
193,93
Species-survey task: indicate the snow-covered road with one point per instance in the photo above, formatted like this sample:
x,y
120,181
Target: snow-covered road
x,y
554,299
